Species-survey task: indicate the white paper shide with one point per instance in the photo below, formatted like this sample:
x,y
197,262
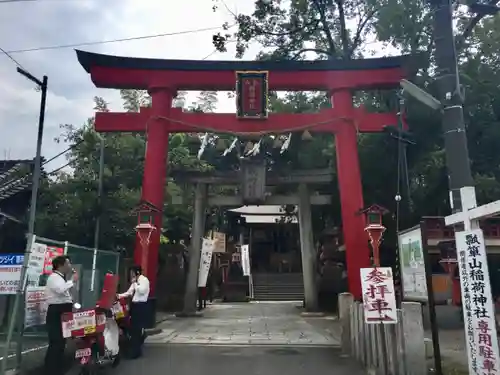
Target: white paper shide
x,y
207,249
379,300
478,308
245,259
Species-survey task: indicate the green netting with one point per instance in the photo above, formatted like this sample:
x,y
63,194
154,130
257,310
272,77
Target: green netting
x,y
90,284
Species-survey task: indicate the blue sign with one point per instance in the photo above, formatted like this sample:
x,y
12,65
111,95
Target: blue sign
x,y
11,260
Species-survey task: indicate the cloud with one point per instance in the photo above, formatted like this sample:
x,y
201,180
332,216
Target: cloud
x,y
56,22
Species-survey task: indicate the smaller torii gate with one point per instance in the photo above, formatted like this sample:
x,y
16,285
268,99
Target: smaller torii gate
x,y
302,198
163,78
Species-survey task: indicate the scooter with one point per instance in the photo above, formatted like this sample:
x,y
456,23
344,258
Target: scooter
x,y
97,345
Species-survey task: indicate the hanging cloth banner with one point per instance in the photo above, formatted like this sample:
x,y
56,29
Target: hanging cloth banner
x,y
207,249
245,259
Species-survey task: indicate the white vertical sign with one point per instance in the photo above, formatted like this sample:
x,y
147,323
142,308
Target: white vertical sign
x,y
245,259
379,300
36,259
36,307
207,249
477,302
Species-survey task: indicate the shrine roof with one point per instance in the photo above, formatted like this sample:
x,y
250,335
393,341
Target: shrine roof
x,y
89,59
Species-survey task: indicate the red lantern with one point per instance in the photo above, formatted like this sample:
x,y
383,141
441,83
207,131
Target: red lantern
x,y
145,227
375,229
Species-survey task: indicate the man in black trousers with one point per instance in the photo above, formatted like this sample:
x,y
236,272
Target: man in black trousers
x,y
139,292
59,301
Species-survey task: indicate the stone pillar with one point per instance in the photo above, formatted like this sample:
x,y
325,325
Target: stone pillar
x,y
413,339
307,249
346,302
351,196
153,183
191,294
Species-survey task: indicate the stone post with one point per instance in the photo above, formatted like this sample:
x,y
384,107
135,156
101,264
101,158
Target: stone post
x,y
413,336
197,233
307,249
346,302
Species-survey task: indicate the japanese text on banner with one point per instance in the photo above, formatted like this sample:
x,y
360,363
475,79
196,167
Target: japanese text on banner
x,y
36,307
379,300
479,313
245,259
207,248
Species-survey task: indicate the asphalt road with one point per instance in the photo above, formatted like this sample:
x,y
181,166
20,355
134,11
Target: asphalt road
x,y
242,360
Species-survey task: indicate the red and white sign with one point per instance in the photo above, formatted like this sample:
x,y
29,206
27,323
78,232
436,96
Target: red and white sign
x,y
36,307
84,321
50,254
379,300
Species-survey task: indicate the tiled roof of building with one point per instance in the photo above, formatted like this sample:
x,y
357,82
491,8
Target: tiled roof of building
x,y
12,179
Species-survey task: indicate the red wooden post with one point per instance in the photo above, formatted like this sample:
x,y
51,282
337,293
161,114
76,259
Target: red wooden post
x,y
351,195
153,185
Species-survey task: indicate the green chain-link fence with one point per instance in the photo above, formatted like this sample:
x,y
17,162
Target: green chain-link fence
x,y
91,266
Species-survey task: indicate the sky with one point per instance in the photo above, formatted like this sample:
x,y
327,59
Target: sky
x,y
42,23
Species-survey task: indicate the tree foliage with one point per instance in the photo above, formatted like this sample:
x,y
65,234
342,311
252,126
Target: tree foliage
x,y
299,29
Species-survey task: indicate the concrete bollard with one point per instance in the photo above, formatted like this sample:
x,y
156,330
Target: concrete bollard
x,y
413,334
346,301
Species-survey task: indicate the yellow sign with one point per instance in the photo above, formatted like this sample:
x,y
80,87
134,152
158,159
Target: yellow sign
x,y
220,242
88,330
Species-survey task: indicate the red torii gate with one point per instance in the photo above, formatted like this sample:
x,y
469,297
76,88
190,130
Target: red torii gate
x,y
163,78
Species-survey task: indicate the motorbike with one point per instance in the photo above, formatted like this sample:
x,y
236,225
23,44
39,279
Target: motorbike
x,y
97,336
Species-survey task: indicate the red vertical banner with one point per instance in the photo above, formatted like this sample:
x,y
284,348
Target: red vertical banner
x,y
50,254
252,94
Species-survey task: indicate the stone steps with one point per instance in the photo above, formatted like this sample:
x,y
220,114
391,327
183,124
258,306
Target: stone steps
x,y
278,287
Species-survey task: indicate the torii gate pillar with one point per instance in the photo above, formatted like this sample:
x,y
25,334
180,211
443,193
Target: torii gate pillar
x,y
351,195
153,182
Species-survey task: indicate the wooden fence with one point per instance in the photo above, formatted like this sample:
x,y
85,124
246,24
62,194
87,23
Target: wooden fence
x,y
384,349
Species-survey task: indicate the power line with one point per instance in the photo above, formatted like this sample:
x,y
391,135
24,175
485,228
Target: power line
x,y
15,1
83,44
13,59
46,162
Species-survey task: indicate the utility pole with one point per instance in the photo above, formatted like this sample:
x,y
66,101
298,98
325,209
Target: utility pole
x,y
99,212
450,104
451,97
17,317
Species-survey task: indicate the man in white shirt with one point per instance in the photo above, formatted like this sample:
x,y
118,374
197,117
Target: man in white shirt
x,y
59,301
139,291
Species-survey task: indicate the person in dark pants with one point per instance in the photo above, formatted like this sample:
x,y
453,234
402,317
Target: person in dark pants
x,y
202,297
59,300
139,291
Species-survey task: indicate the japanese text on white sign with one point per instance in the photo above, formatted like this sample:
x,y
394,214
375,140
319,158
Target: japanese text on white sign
x,y
245,259
36,307
379,300
207,248
36,259
479,316
10,272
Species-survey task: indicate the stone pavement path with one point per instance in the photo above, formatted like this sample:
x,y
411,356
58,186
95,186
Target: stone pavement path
x,y
242,360
248,324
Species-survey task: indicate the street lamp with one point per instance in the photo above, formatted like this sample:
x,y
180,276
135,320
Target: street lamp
x,y
422,96
18,308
